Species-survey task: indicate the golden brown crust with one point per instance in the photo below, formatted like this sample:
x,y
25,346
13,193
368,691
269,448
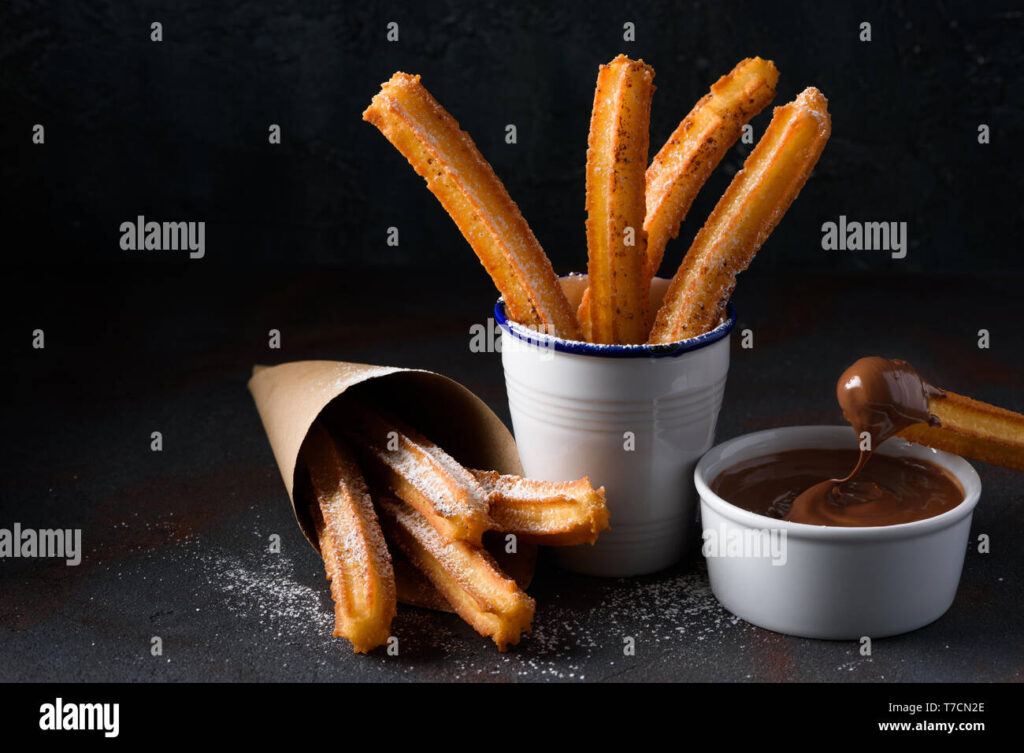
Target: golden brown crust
x,y
467,187
545,512
467,576
745,216
414,589
351,543
413,468
695,148
973,429
682,166
616,163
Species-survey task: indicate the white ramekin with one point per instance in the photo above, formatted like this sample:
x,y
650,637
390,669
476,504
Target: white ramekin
x,y
836,582
634,418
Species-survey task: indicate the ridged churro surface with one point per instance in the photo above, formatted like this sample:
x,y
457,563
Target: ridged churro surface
x,y
464,182
745,216
351,543
616,166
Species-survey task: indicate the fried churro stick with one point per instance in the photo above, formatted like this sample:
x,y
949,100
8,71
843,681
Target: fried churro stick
x,y
545,512
414,589
467,576
745,216
465,184
677,172
351,543
421,473
973,429
616,162
694,150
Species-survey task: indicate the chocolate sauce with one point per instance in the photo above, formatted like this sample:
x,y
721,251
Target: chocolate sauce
x,y
880,397
887,491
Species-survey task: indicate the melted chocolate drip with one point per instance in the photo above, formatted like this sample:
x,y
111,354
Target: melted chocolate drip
x,y
880,397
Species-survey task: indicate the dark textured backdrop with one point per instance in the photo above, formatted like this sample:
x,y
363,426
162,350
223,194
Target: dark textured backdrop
x,y
178,130
176,542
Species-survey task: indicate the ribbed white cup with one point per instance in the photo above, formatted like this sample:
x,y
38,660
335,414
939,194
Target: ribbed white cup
x,y
634,419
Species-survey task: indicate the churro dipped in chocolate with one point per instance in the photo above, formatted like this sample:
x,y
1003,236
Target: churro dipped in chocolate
x,y
887,397
883,398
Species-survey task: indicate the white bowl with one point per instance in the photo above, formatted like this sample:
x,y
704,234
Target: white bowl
x,y
835,582
633,418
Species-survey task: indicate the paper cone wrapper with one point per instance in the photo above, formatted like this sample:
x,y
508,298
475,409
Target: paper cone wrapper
x,y
291,396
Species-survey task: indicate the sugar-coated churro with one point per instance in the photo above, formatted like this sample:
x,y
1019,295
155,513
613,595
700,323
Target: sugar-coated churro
x,y
415,469
467,576
682,166
691,154
465,184
616,163
973,429
414,589
745,216
351,543
545,512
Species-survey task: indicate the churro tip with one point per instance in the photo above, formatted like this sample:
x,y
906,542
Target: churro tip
x,y
813,99
638,64
399,79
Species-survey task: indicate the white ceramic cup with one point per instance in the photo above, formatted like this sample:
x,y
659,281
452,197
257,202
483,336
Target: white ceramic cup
x,y
836,582
633,418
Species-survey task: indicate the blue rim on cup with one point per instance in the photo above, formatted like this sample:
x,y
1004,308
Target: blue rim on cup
x,y
581,348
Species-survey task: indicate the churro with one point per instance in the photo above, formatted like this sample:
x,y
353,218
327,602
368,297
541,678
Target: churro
x,y
616,162
884,397
682,166
351,543
418,471
467,576
467,187
545,512
414,589
745,216
973,429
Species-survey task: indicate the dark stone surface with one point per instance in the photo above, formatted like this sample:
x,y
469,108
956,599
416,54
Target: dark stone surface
x,y
176,542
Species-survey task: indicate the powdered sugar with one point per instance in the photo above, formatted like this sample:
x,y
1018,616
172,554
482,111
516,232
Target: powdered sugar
x,y
267,592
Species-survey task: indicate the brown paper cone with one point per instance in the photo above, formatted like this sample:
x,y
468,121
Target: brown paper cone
x,y
290,397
